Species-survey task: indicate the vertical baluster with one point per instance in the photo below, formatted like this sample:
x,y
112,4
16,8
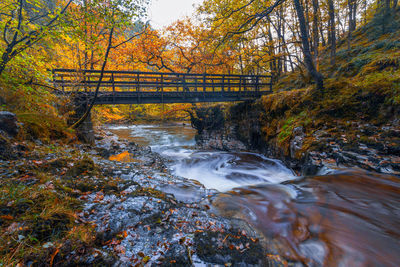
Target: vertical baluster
x,y
223,85
54,78
204,86
138,87
162,90
62,82
184,87
244,85
84,81
113,85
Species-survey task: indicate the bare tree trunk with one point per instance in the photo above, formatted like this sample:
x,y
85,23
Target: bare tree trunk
x,y
279,32
307,16
387,6
87,112
319,80
322,35
332,31
85,53
241,59
365,5
352,4
272,54
284,46
315,30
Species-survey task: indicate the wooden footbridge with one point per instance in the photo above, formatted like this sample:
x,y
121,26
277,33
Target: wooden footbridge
x,y
133,87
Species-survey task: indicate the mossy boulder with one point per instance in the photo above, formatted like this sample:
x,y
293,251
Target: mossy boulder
x,y
9,123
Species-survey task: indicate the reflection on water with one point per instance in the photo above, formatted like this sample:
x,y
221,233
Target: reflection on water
x,y
214,169
157,136
346,219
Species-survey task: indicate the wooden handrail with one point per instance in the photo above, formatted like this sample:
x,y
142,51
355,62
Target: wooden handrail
x,y
155,73
162,82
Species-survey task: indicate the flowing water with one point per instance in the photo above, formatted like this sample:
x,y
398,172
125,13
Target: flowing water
x,y
343,219
214,169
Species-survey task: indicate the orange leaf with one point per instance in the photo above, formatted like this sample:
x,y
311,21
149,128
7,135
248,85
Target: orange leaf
x,y
7,217
53,256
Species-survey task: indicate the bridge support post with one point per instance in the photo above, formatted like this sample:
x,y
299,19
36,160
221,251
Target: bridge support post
x,y
84,132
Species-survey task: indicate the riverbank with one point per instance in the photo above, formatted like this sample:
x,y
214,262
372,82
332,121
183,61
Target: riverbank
x,y
114,203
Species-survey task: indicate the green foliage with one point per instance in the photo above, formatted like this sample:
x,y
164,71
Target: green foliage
x,y
302,119
354,66
286,130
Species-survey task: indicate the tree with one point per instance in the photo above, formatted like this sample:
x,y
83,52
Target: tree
x,y
332,31
306,46
24,24
247,18
315,28
117,16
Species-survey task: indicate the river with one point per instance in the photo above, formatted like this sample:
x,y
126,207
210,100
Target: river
x,y
349,218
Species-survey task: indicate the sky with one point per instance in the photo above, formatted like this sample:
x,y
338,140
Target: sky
x,y
164,12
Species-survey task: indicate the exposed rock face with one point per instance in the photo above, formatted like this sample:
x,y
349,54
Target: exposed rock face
x,y
220,140
9,123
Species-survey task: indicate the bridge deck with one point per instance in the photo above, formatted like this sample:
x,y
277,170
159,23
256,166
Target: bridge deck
x,y
130,87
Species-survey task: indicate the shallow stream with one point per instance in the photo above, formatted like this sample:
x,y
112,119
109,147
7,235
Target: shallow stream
x,y
344,219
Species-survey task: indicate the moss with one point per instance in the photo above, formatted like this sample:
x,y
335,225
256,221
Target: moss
x,y
34,213
46,229
286,130
83,166
43,126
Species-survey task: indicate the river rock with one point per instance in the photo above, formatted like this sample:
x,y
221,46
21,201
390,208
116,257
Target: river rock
x,y
297,142
9,123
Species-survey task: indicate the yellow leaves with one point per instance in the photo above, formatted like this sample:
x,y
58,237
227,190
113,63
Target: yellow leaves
x,y
109,115
123,157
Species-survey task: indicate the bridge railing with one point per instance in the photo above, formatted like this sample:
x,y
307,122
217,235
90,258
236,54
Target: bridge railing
x,y
136,81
